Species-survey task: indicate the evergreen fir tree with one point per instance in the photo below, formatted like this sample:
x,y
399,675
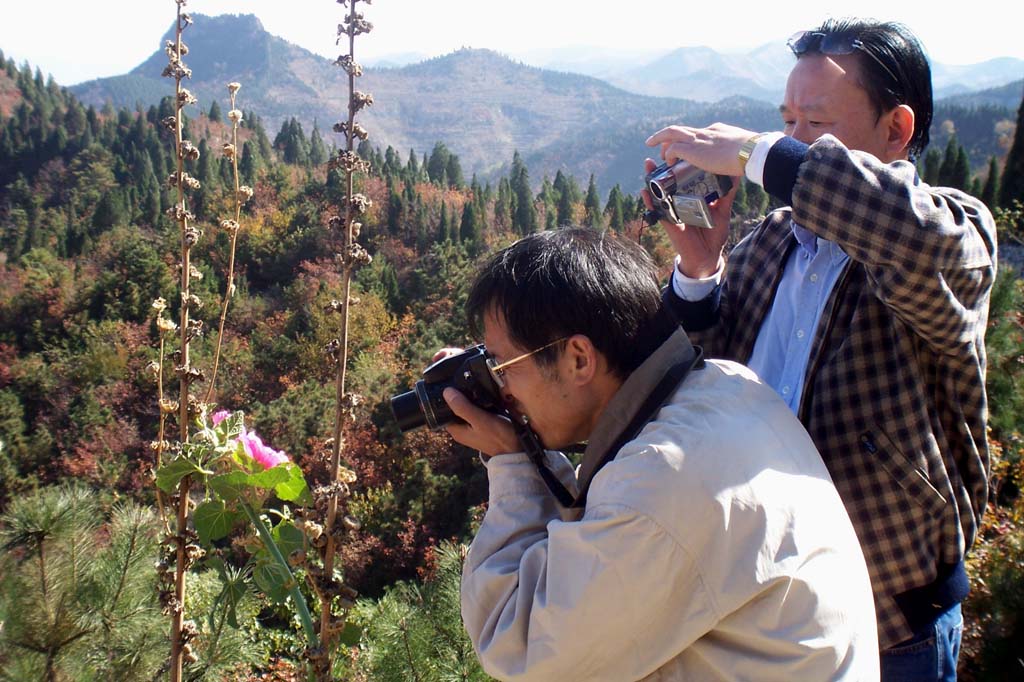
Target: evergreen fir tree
x,y
317,149
249,164
961,170
412,167
990,191
437,166
443,233
592,206
1011,187
947,170
614,210
215,113
454,172
568,193
469,227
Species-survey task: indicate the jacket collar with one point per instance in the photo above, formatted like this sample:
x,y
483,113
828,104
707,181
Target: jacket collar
x,y
623,406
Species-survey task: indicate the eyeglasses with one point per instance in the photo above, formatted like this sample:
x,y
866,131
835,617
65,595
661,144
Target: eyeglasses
x,y
803,42
498,370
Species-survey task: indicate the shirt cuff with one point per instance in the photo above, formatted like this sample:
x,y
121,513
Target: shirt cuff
x,y
759,155
691,289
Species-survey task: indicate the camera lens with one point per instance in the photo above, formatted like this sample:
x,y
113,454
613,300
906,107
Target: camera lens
x,y
657,190
407,411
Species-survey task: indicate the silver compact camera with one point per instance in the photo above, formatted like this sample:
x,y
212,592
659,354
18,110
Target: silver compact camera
x,y
681,193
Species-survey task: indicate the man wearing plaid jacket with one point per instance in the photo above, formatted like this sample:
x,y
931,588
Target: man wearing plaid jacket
x,y
864,305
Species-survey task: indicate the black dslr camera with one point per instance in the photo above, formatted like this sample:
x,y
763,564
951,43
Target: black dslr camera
x,y
681,193
469,371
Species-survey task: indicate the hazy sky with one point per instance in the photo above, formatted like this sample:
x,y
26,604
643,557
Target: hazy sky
x,y
77,40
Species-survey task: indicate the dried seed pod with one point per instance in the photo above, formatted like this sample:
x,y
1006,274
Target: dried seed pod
x,y
361,100
165,325
185,97
189,151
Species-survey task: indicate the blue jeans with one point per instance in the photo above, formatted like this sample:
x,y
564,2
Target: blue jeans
x,y
930,655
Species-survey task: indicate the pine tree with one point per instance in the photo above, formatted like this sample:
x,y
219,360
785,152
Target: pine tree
x,y
1012,186
443,233
317,149
503,206
961,170
614,209
568,195
990,191
947,171
592,206
249,164
469,227
76,607
525,217
215,113
412,167
454,172
437,166
394,216
546,198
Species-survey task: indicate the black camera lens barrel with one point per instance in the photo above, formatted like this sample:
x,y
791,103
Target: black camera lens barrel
x,y
425,405
406,409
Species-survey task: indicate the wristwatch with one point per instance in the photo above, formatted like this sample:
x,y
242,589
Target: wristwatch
x,y
747,149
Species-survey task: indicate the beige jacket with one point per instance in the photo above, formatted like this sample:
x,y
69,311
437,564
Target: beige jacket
x,y
714,547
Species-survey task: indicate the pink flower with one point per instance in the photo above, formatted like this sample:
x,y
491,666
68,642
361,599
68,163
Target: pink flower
x,y
265,455
220,416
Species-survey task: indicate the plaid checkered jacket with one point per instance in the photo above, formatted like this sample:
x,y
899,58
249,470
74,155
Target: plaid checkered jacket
x,y
895,388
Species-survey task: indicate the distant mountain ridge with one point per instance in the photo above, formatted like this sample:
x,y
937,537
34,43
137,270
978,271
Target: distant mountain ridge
x,y
481,104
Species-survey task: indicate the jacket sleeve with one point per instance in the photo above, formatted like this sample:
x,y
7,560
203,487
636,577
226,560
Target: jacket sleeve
x,y
591,599
930,253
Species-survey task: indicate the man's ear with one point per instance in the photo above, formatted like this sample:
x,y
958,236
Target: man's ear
x,y
581,360
900,130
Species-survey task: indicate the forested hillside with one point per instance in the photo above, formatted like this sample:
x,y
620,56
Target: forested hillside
x,y
485,106
87,243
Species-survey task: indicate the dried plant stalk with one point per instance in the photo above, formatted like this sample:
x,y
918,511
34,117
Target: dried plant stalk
x,y
185,551
329,588
232,226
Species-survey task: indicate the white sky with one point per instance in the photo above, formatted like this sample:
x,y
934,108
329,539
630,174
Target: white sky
x,y
76,40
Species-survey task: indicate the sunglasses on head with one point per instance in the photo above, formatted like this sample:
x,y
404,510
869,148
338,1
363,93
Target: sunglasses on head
x,y
833,44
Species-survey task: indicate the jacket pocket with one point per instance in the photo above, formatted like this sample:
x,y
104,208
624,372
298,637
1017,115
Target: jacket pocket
x,y
912,479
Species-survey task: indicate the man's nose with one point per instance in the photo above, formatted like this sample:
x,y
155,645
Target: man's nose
x,y
802,132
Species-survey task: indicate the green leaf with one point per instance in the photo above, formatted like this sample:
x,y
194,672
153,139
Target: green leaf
x,y
233,591
230,486
272,578
288,538
232,426
169,475
269,478
213,520
294,488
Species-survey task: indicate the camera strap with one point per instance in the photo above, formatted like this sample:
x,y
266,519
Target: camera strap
x,y
664,389
531,444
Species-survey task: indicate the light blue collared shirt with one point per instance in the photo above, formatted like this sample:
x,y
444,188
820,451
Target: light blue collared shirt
x,y
783,346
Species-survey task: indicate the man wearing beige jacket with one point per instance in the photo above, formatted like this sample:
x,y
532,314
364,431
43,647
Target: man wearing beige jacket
x,y
705,541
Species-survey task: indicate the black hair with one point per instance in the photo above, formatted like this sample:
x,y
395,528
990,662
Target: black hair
x,y
574,280
896,72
